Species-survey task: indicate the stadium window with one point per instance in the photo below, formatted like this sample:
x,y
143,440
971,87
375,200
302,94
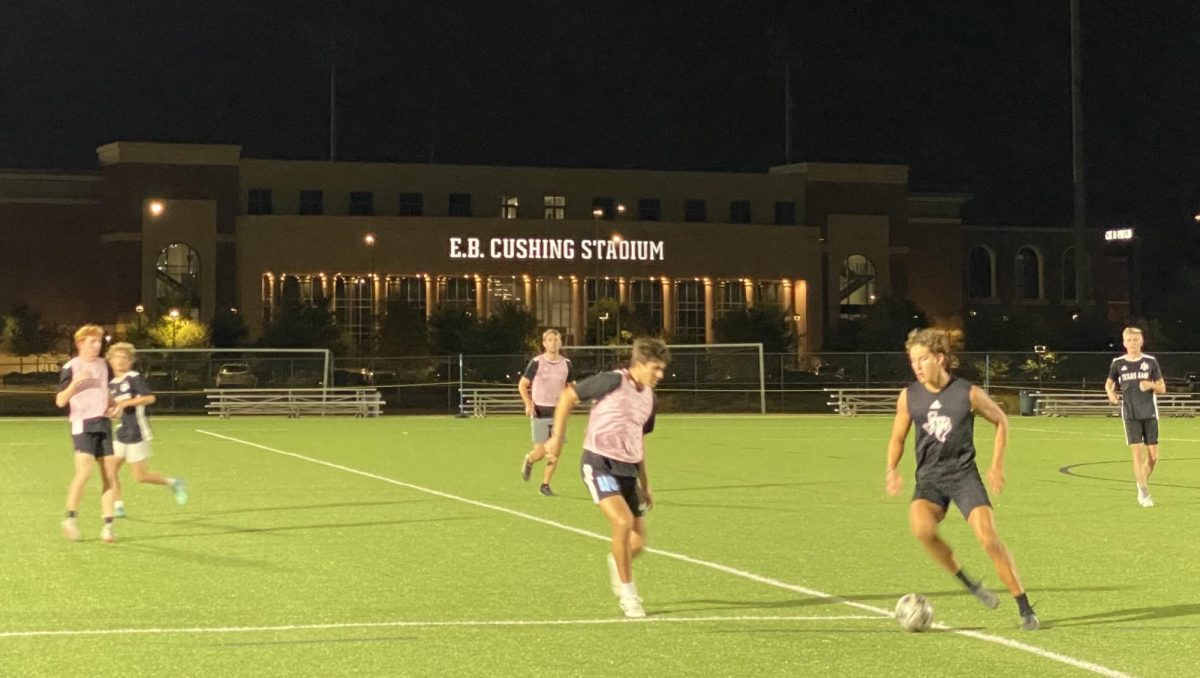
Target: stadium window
x,y
177,279
258,201
730,297
509,206
362,203
695,210
646,302
857,284
412,205
604,208
1070,291
689,311
785,213
555,206
768,293
405,290
1029,273
649,209
981,273
460,205
553,301
739,212
312,202
457,293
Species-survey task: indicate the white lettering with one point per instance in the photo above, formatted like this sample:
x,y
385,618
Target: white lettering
x,y
557,249
585,249
495,247
656,251
455,253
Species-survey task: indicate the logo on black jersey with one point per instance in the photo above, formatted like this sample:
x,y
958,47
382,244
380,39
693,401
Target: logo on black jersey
x,y
937,426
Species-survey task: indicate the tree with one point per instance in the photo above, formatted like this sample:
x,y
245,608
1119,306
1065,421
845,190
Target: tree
x,y
27,336
181,332
455,330
765,324
884,326
299,325
228,329
511,329
403,330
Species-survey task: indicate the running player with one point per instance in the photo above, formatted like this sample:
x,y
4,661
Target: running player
x,y
131,395
943,408
614,455
1140,379
83,385
547,374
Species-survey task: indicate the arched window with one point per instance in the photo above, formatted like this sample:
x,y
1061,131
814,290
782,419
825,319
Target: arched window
x,y
1070,291
1028,273
177,279
981,273
857,283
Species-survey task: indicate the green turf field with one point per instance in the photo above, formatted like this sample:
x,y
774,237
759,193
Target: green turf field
x,y
309,548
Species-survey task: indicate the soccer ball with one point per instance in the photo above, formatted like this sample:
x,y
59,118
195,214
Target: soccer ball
x,y
914,612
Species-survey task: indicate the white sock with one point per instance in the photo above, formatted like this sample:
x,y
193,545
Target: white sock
x,y
1143,491
171,483
119,504
628,590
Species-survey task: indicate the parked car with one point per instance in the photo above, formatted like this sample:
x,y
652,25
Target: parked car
x,y
236,375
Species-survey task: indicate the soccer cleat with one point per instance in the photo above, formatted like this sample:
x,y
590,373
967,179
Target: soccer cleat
x,y
985,596
179,486
70,529
632,607
614,578
526,468
108,534
1029,622
1146,501
119,511
546,491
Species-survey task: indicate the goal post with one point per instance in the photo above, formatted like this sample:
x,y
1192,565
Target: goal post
x,y
700,377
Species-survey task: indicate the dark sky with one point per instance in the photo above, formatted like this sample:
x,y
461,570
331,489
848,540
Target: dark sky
x,y
974,95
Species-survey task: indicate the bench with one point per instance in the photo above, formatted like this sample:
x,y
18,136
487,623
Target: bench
x,y
479,401
850,402
1051,404
293,402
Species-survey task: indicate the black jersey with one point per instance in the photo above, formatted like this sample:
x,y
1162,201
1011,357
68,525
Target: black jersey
x,y
134,428
945,428
1136,403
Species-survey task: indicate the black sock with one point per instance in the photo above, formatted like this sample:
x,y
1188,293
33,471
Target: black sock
x,y
966,581
70,514
1023,605
108,520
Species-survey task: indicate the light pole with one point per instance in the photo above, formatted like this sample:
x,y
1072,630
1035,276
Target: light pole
x,y
141,317
369,241
603,318
174,314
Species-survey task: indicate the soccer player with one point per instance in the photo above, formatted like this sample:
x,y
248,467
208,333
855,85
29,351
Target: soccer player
x,y
1140,380
543,381
131,395
614,455
943,408
83,385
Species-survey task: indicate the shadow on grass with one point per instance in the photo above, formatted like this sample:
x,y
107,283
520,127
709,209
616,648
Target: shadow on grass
x,y
1133,614
1070,471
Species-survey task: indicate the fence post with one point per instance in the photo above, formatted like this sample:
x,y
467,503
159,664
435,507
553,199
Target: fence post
x,y
462,405
867,368
987,372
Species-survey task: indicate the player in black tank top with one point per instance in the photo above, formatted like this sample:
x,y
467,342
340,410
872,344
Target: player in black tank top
x,y
943,409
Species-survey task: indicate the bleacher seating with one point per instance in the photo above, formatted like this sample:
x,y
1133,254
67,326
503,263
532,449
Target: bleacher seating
x,y
480,401
1054,404
850,402
294,402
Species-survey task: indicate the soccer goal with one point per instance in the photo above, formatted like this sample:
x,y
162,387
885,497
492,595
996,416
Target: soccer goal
x,y
700,378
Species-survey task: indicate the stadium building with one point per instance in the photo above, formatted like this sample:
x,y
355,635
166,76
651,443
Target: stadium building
x,y
199,227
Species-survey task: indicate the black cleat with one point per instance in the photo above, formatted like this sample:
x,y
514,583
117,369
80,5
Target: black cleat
x,y
1029,622
526,468
546,491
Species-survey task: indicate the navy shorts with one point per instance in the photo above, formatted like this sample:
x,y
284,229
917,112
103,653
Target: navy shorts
x,y
965,489
96,439
601,481
1138,431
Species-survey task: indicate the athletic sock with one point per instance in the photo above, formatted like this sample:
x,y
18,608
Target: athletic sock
x,y
628,590
1023,605
1143,491
966,581
70,515
108,520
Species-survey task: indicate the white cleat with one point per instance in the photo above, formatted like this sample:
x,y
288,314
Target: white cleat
x,y
632,607
108,534
70,530
614,578
1146,501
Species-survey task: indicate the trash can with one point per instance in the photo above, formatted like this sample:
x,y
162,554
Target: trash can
x,y
1028,402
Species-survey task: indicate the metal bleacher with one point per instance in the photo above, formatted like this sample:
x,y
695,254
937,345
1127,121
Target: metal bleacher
x,y
1064,404
294,402
480,401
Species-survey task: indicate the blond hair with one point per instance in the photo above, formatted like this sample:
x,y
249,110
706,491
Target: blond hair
x,y
551,330
88,331
121,347
650,349
1132,330
937,341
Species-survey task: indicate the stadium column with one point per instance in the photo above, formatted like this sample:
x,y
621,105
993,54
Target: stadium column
x,y
577,312
530,294
788,297
748,286
481,299
800,314
269,279
710,311
430,296
376,299
668,306
622,291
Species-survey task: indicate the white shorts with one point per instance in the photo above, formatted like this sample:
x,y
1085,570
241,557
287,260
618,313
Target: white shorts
x,y
132,453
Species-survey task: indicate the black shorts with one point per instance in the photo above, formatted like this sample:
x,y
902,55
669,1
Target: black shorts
x,y
965,489
1139,431
601,482
96,439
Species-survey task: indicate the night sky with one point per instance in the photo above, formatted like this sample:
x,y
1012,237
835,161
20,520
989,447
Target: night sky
x,y
974,96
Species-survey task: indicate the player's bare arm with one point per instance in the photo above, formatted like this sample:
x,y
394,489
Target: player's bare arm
x,y
644,479
893,481
1159,386
562,412
523,388
1110,387
983,405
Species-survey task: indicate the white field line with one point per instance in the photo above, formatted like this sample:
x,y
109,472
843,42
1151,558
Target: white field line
x,y
769,581
424,624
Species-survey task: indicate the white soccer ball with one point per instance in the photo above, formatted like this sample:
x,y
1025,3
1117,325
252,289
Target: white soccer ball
x,y
914,612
